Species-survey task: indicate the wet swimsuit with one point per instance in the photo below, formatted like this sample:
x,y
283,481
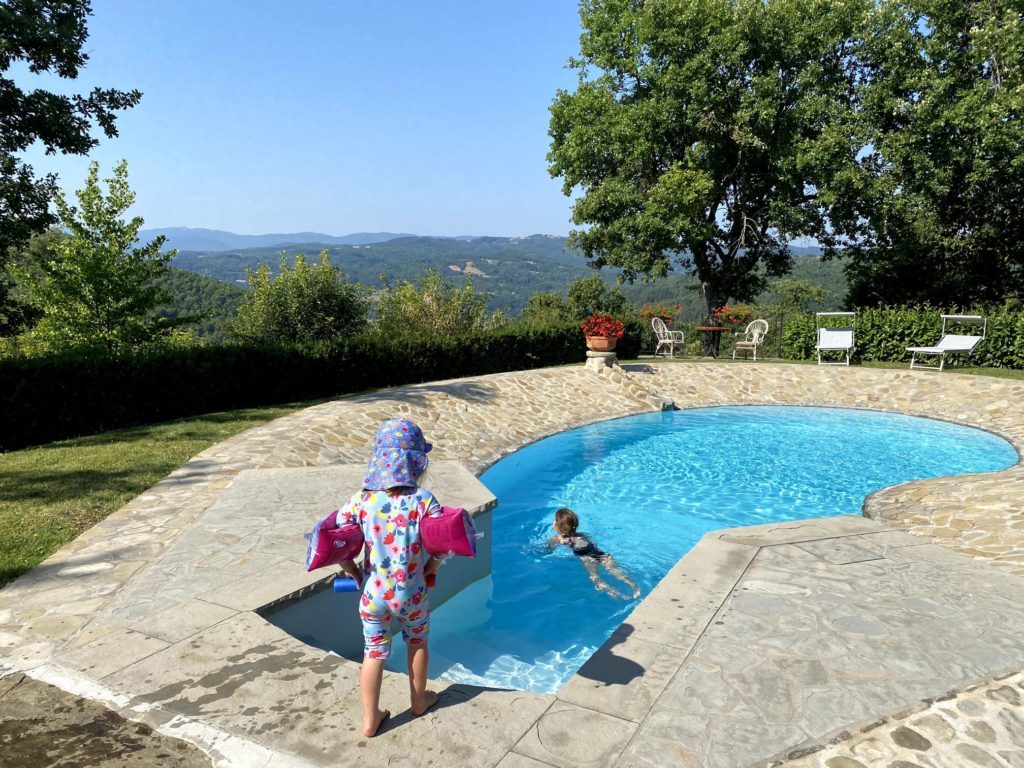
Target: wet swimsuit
x,y
583,546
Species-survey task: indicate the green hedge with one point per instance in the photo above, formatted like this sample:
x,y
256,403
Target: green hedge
x,y
883,335
55,397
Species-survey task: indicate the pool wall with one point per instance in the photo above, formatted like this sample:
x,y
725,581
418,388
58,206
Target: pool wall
x,y
327,620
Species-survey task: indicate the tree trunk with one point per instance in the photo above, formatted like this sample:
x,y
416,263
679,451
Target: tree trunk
x,y
712,299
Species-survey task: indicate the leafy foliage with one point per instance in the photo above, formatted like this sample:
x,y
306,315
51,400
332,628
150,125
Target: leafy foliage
x,y
544,308
705,133
96,288
45,36
939,190
511,268
433,307
303,303
590,294
205,305
56,396
882,334
16,312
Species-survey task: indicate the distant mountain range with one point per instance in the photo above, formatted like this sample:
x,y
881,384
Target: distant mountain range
x,y
213,240
510,269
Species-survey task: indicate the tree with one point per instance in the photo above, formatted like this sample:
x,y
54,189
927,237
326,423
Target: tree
x,y
16,311
303,303
433,307
95,288
544,308
44,36
586,295
792,296
941,181
705,133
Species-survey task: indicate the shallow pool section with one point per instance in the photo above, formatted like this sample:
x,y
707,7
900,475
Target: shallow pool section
x,y
647,488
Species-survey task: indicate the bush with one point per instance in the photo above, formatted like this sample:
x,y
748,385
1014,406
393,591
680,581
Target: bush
x,y
883,335
59,396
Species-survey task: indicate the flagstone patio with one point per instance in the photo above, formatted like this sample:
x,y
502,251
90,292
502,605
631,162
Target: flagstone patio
x,y
833,642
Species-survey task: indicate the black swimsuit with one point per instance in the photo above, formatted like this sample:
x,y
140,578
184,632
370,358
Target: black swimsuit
x,y
583,546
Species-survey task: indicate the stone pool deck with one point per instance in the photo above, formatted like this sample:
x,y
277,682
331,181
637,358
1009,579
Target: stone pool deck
x,y
839,642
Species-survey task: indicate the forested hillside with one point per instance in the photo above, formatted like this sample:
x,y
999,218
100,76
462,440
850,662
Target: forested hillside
x,y
210,300
511,269
683,289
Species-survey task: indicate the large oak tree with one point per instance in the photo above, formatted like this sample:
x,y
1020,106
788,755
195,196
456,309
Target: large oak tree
x,y
704,135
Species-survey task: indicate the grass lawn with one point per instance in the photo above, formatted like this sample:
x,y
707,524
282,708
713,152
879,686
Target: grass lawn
x,y
50,494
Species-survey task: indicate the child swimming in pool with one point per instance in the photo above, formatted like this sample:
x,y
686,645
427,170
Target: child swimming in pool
x,y
565,525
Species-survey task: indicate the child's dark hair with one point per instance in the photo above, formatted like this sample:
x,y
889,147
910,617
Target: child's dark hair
x,y
566,521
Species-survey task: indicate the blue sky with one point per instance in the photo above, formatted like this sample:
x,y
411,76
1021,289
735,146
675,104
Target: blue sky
x,y
333,116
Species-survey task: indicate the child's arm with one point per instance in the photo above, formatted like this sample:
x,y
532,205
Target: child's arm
x,y
432,566
553,542
350,569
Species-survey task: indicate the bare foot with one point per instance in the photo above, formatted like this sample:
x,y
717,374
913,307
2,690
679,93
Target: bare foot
x,y
371,726
429,699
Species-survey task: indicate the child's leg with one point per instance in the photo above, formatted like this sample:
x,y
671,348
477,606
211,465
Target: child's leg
x,y
377,646
614,569
415,619
371,674
419,663
591,565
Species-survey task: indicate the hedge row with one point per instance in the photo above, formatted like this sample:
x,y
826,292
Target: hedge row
x,y
56,397
884,334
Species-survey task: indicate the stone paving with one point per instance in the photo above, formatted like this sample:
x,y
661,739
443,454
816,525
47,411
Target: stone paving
x,y
980,727
792,693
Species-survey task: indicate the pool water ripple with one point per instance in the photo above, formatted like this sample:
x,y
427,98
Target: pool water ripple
x,y
647,488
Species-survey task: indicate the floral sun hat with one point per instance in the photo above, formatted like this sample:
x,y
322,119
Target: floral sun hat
x,y
399,456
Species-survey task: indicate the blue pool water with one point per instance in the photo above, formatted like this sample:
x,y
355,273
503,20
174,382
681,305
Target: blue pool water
x,y
647,488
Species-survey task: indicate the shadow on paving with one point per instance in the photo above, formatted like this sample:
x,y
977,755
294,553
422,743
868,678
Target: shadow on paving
x,y
43,727
469,391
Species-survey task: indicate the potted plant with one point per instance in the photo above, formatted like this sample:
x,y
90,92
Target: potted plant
x,y
602,332
731,316
664,311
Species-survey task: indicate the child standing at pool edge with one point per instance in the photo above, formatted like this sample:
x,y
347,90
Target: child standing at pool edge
x,y
395,564
565,525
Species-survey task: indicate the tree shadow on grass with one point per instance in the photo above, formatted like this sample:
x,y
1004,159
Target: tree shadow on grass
x,y
57,486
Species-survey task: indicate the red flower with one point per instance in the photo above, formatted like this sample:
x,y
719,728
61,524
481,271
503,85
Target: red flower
x,y
602,325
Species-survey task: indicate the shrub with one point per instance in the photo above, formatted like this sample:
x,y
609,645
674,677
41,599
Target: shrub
x,y
58,396
883,335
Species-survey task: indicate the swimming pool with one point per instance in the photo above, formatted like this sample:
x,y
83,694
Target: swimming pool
x,y
647,488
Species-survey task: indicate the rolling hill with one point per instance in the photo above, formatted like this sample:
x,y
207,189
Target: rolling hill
x,y
510,269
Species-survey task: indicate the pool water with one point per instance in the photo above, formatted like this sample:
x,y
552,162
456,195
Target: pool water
x,y
646,488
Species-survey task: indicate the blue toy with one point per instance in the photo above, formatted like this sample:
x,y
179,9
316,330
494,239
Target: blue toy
x,y
343,584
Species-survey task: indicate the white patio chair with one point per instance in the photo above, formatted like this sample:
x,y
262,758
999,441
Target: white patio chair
x,y
667,339
951,343
834,338
751,338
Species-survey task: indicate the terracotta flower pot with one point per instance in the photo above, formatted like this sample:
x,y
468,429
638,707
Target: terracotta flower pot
x,y
601,343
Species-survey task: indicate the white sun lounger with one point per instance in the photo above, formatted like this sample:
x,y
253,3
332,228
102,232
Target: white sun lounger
x,y
950,343
834,339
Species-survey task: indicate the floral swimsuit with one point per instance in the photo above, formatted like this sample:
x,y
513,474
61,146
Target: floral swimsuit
x,y
393,582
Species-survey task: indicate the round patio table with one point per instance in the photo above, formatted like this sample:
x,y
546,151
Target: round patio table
x,y
712,337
